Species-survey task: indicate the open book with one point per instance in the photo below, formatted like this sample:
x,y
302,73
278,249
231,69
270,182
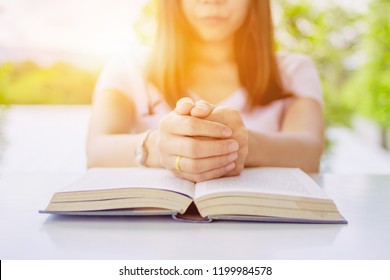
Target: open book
x,y
258,194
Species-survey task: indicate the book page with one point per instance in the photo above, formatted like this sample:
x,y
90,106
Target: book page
x,y
267,180
117,178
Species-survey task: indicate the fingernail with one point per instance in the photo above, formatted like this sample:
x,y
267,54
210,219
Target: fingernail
x,y
233,147
232,157
227,132
181,103
230,166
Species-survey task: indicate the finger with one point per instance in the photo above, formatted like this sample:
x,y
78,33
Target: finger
x,y
196,166
184,106
191,126
226,115
202,109
208,175
199,148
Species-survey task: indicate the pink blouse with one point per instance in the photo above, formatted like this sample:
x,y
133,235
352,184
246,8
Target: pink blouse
x,y
125,74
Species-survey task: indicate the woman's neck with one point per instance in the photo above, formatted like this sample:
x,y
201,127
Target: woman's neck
x,y
212,74
213,53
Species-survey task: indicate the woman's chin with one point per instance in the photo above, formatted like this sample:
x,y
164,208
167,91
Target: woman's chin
x,y
212,37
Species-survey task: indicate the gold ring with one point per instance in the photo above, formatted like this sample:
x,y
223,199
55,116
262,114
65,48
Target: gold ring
x,y
177,164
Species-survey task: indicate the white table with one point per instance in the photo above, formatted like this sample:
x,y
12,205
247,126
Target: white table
x,y
364,200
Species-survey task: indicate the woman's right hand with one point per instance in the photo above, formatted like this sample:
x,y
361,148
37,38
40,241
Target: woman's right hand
x,y
205,150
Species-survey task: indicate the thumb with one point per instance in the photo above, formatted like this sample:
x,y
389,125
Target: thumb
x,y
184,106
202,109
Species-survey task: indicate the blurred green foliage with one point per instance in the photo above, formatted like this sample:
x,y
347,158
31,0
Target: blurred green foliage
x,y
331,35
145,25
352,52
60,83
368,91
5,71
4,79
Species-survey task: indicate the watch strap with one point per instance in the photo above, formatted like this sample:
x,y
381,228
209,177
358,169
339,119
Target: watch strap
x,y
141,153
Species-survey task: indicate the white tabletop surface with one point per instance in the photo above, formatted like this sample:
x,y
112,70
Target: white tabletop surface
x,y
25,234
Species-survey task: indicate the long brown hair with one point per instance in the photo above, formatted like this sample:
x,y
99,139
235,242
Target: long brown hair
x,y
254,51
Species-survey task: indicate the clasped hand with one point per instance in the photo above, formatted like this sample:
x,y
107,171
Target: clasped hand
x,y
211,141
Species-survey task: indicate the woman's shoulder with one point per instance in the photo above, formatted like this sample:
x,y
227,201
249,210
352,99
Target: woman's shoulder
x,y
291,61
129,60
299,75
124,72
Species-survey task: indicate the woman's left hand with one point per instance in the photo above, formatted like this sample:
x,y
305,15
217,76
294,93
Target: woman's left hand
x,y
224,115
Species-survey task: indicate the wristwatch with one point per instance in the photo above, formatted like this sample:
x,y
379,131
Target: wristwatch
x,y
141,152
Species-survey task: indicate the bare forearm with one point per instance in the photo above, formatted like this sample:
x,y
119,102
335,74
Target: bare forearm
x,y
118,150
285,149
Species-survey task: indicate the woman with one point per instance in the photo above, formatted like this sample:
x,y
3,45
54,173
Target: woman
x,y
267,108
